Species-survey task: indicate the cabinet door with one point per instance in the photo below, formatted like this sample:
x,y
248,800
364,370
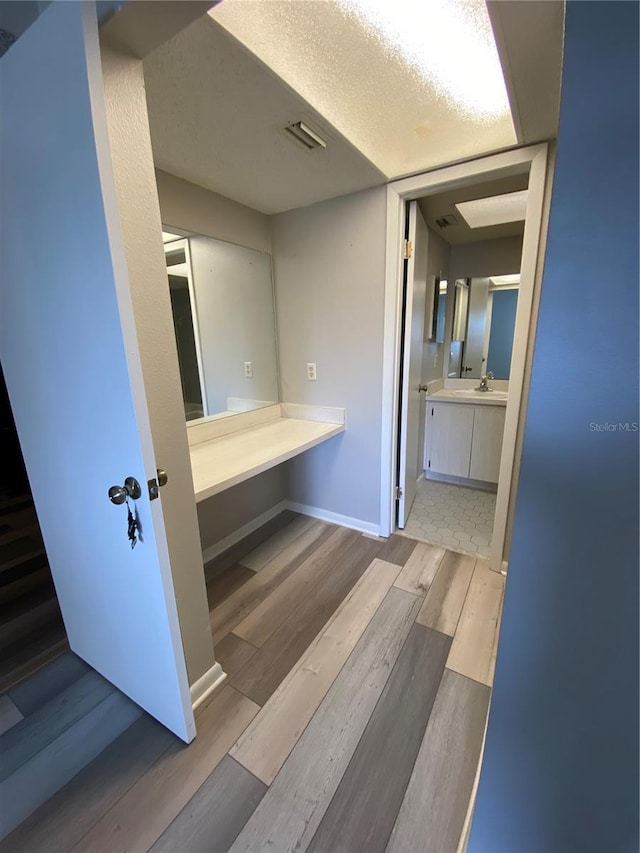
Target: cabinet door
x,y
450,427
486,447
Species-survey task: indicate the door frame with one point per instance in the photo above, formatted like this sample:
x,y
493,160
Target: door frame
x,y
411,269
535,160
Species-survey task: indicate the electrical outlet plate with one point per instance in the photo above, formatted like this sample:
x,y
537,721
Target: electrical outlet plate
x,y
311,371
248,369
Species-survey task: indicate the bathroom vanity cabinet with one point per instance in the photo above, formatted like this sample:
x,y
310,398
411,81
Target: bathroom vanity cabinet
x,y
464,440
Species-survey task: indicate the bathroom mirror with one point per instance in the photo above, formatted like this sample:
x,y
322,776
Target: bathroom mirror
x,y
223,316
437,321
483,324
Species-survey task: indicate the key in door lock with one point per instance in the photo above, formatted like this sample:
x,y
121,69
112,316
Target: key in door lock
x,y
131,489
121,495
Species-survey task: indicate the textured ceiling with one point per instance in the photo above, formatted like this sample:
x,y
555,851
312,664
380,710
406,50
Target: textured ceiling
x,y
217,110
435,206
403,117
216,117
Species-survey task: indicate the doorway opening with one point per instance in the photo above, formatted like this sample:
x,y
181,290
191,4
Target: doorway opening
x,y
461,429
470,277
461,300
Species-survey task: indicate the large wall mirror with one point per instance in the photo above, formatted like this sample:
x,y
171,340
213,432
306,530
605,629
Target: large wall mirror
x,y
224,321
483,325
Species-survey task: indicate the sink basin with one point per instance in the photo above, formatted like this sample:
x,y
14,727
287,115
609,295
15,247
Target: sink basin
x,y
471,392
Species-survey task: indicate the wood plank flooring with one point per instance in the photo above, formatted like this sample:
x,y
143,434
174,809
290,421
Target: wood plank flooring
x,y
361,817
352,719
67,716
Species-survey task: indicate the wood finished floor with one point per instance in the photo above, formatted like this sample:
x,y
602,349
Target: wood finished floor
x,y
352,719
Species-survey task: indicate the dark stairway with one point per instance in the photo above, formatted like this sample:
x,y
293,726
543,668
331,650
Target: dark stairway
x,y
31,627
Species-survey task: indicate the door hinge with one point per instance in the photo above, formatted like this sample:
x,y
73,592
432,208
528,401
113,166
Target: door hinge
x,y
398,493
408,249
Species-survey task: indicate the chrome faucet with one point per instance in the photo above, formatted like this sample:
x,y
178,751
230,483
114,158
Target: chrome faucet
x,y
484,382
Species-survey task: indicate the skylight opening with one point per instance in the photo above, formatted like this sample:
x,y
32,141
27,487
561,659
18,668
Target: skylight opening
x,y
496,210
448,42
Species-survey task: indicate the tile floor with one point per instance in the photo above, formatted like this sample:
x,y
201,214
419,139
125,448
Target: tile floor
x,y
455,516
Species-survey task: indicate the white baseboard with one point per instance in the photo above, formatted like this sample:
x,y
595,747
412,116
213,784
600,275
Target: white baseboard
x,y
304,509
241,532
206,684
420,478
334,518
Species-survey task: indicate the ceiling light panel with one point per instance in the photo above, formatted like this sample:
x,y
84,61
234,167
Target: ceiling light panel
x,y
410,83
496,210
446,42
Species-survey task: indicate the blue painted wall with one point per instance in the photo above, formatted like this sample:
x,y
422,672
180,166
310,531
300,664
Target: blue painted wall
x,y
561,762
503,322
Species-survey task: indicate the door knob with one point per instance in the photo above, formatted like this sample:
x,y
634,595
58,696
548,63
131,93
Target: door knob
x,y
423,387
131,489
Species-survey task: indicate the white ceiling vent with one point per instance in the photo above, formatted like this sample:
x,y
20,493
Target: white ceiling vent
x,y
302,133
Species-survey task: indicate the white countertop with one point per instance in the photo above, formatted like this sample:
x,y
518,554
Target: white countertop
x,y
467,395
219,463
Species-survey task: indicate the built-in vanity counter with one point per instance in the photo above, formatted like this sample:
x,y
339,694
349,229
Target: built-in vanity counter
x,y
464,431
228,451
224,322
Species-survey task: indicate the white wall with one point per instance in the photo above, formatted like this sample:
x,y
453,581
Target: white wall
x,y
234,299
223,514
140,217
487,257
192,208
329,265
